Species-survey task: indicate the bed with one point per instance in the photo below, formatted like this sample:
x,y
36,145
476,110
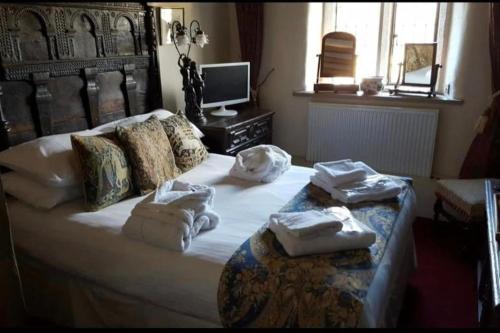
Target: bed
x,y
77,268
107,268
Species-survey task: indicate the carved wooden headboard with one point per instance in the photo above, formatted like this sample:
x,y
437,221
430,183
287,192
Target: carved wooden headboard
x,y
71,66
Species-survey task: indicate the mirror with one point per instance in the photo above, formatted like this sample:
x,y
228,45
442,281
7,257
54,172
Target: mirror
x,y
338,55
418,66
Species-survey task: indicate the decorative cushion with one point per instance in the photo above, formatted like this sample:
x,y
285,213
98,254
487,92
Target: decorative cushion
x,y
106,172
37,194
467,196
149,152
188,149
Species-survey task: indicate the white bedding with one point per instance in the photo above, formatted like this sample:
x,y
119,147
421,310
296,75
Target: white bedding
x,y
90,244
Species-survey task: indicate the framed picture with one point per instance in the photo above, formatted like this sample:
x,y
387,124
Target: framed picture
x,y
166,17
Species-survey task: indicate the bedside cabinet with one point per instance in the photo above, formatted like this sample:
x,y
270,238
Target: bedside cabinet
x,y
229,135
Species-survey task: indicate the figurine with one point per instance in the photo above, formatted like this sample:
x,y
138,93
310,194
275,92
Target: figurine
x,y
197,82
192,85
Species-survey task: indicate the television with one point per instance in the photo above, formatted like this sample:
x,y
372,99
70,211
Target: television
x,y
225,84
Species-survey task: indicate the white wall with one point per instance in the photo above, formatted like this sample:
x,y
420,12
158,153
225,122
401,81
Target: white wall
x,y
469,75
285,47
214,19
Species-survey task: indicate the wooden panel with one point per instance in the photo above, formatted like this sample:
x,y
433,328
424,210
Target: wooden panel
x,y
18,95
124,33
141,89
4,128
130,84
84,37
71,66
43,99
68,112
111,102
32,37
92,95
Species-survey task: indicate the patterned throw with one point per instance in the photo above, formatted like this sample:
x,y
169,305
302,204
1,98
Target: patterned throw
x,y
261,286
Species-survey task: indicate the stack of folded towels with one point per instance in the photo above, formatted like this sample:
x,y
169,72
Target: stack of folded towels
x,y
352,182
316,232
262,163
173,215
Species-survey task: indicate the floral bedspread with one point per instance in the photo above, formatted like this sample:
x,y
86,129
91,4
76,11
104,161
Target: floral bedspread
x,y
261,286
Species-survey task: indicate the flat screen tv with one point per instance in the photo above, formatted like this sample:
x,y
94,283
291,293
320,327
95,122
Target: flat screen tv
x,y
225,84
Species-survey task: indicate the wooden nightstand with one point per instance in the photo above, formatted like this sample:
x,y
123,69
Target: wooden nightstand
x,y
229,135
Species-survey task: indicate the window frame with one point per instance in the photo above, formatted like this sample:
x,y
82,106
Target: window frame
x,y
386,37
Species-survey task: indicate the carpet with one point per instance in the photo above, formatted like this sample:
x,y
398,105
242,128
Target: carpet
x,y
442,291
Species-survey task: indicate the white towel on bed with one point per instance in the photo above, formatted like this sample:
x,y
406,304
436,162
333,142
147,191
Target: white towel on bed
x,y
311,222
176,194
340,172
173,215
373,188
262,163
354,235
171,236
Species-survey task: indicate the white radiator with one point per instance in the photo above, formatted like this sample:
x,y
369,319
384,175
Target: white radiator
x,y
390,139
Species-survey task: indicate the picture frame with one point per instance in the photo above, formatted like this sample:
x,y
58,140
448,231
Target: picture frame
x,y
166,16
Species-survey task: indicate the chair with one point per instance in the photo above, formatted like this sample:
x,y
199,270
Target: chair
x,y
337,59
462,203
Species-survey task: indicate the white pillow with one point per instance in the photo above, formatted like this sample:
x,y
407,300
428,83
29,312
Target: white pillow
x,y
160,113
48,160
36,194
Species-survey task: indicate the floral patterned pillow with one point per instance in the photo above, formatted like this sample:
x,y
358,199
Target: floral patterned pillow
x,y
106,172
188,149
149,152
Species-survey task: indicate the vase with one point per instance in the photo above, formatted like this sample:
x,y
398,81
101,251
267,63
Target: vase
x,y
372,85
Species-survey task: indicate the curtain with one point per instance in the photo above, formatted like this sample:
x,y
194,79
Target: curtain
x,y
483,157
250,27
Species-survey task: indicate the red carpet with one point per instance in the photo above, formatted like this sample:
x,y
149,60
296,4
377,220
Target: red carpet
x,y
442,292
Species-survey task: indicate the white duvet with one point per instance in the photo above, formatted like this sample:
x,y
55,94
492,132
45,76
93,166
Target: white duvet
x,y
91,245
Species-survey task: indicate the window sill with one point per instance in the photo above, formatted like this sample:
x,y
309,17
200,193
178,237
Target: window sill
x,y
382,97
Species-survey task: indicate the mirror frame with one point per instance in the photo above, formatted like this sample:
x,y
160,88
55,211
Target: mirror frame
x,y
433,67
342,36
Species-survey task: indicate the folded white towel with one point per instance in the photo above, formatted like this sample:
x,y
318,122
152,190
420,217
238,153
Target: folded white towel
x,y
340,172
354,235
263,163
311,222
171,236
373,188
173,215
178,195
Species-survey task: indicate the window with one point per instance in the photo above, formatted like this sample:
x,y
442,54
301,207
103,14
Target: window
x,y
382,29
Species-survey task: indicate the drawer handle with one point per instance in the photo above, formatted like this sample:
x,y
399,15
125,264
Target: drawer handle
x,y
239,133
251,132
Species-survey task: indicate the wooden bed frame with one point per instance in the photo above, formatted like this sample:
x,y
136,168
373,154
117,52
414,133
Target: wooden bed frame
x,y
72,66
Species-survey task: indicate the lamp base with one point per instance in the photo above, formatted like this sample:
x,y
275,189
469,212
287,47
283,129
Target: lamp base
x,y
223,112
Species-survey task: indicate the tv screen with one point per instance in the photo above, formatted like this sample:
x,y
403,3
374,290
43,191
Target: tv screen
x,y
225,84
